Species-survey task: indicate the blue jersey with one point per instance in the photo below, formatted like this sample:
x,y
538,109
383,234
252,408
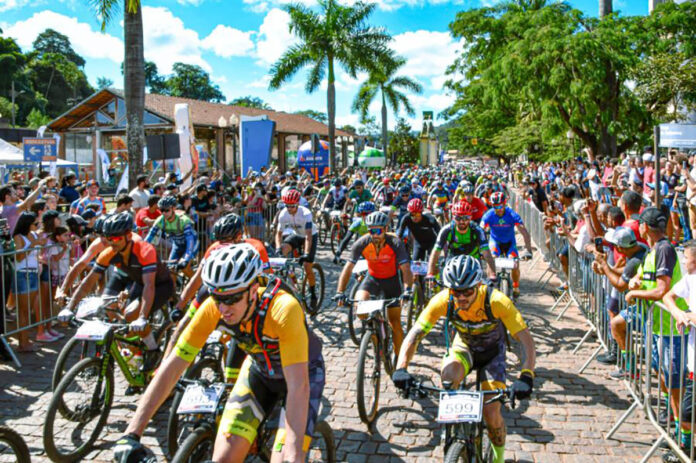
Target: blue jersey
x,y
502,228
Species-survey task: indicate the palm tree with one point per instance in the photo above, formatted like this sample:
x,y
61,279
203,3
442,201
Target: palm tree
x,y
606,7
133,77
383,79
339,34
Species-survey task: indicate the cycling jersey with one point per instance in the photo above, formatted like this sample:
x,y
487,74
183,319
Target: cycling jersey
x,y
385,195
425,231
479,207
287,338
297,224
360,198
358,227
442,195
179,231
385,263
502,228
140,259
417,191
455,243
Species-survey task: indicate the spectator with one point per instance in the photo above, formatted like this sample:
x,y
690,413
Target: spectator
x,y
146,216
140,193
68,192
124,203
92,198
631,204
12,207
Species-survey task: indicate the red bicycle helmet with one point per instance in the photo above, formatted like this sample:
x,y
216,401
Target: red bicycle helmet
x,y
386,181
497,199
462,208
415,205
291,197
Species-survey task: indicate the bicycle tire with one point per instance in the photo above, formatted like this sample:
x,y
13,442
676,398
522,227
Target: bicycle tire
x,y
415,306
199,441
368,342
335,237
460,452
319,279
49,439
60,369
505,286
352,320
16,443
323,429
173,418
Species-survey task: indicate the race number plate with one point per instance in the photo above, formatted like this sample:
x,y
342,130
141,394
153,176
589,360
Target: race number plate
x,y
419,267
360,266
214,337
367,307
277,262
92,330
504,263
460,406
88,306
335,214
199,399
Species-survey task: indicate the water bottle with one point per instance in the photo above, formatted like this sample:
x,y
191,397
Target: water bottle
x,y
134,360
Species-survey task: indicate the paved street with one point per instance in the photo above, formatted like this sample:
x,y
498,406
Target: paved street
x,y
565,421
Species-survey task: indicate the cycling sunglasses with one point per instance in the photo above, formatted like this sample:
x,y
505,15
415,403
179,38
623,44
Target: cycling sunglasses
x,y
462,218
164,211
463,293
497,208
115,239
376,231
230,299
291,206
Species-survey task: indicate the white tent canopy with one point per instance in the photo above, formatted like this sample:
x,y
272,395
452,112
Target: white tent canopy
x,y
14,158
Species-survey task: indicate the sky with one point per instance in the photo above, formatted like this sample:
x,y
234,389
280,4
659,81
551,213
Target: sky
x,y
236,42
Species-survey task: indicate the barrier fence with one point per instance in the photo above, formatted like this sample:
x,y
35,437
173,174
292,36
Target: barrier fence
x,y
652,354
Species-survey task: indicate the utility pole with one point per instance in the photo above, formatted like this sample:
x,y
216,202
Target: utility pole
x,y
12,106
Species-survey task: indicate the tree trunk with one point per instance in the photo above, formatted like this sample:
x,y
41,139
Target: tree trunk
x,y
384,130
134,89
605,8
331,110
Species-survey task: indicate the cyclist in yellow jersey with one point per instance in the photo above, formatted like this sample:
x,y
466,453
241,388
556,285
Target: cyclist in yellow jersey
x,y
480,315
283,361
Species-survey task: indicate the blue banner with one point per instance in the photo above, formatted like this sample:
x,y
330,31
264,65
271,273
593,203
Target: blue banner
x,y
677,136
257,143
40,149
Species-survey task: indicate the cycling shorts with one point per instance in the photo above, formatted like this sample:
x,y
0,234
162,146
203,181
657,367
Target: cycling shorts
x,y
421,250
382,288
164,290
297,242
116,283
491,363
503,249
255,396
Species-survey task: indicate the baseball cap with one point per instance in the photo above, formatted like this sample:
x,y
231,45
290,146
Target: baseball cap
x,y
653,217
647,157
92,182
622,237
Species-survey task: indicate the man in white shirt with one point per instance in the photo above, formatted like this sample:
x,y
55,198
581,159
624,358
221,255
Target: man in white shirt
x,y
140,193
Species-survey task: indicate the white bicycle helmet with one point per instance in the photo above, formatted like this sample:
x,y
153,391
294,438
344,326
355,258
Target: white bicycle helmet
x,y
377,219
462,272
231,268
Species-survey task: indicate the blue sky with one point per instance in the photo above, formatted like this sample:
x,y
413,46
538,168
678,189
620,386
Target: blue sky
x,y
236,41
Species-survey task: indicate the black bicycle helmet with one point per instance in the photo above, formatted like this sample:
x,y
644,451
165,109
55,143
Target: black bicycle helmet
x,y
98,226
338,182
404,190
118,224
167,202
227,227
462,272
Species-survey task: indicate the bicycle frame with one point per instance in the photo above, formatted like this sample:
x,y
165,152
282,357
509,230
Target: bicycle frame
x,y
377,323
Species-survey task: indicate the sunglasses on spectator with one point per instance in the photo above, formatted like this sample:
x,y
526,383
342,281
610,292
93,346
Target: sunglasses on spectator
x,y
463,293
230,299
376,231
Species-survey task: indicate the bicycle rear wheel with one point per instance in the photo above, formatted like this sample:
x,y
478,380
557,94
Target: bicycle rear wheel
x,y
198,446
319,287
368,378
12,447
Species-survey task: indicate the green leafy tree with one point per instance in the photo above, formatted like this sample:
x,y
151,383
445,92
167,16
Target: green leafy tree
x,y
250,102
403,144
36,119
58,80
51,41
6,108
338,35
190,81
316,115
369,128
153,80
134,76
390,87
11,62
104,82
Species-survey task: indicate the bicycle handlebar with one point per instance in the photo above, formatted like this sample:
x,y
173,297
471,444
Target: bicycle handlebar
x,y
421,389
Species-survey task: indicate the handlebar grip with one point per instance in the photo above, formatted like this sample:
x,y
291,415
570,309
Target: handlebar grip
x,y
175,315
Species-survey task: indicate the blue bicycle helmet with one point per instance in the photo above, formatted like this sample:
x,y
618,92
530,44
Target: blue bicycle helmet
x,y
366,207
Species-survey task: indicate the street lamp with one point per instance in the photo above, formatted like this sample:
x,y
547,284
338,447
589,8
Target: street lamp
x,y
234,124
570,135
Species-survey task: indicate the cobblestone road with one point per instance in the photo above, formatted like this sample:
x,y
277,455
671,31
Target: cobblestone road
x,y
565,421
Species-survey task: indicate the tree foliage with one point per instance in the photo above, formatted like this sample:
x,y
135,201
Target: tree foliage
x,y
250,102
50,41
104,82
403,144
316,115
191,81
36,119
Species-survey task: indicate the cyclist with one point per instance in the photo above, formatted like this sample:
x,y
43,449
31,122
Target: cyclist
x,y
385,193
439,197
283,362
179,229
359,194
501,220
357,227
385,255
466,193
480,315
459,237
336,198
151,285
400,203
422,226
297,232
417,190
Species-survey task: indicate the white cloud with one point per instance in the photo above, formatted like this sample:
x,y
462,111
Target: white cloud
x,y
86,41
428,53
260,83
227,41
261,6
274,36
6,5
189,2
434,102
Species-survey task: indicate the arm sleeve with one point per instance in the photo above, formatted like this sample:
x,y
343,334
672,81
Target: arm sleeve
x,y
197,331
435,224
503,309
290,329
357,250
344,242
436,309
147,256
402,225
441,240
191,241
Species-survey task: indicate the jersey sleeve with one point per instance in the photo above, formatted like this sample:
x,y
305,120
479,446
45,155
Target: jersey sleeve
x,y
436,309
441,241
288,326
104,259
503,309
517,220
146,255
483,242
357,249
196,333
400,252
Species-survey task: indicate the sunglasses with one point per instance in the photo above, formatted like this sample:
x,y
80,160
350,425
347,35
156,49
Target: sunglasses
x,y
415,214
462,218
463,293
114,239
164,211
230,299
497,208
376,231
291,206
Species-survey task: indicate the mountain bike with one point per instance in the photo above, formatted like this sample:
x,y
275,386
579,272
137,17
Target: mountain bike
x,y
340,221
503,267
376,348
359,272
80,405
461,413
204,402
292,272
12,447
415,306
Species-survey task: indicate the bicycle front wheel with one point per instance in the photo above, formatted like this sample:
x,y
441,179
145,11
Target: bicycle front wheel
x,y
460,452
87,397
368,378
13,448
353,322
336,235
319,280
323,447
198,446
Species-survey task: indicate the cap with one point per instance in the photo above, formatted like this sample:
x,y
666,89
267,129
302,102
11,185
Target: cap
x,y
653,217
92,182
647,157
622,237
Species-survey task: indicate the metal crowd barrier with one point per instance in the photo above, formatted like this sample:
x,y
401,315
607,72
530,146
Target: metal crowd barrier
x,y
643,370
